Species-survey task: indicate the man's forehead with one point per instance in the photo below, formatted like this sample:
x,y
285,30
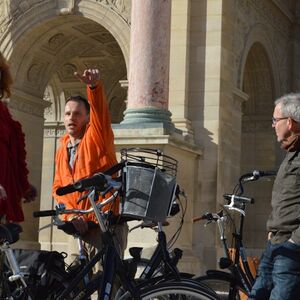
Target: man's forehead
x,y
277,108
74,105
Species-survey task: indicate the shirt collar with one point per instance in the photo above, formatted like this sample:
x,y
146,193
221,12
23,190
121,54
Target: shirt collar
x,y
69,145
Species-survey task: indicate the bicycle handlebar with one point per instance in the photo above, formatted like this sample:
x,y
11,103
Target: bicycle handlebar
x,y
231,197
59,211
209,217
98,180
44,213
255,175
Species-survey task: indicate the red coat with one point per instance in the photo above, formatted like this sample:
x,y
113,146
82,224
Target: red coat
x,y
13,168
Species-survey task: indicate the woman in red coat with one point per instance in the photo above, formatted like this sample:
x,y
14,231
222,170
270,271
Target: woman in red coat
x,y
14,185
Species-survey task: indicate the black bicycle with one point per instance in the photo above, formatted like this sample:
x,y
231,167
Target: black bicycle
x,y
146,187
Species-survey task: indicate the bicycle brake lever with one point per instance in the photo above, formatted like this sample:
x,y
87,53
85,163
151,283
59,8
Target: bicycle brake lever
x,y
208,222
231,207
82,198
113,185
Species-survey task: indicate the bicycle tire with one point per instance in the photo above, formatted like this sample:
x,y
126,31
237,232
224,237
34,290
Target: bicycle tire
x,y
225,288
175,290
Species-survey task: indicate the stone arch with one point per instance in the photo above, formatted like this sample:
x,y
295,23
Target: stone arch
x,y
259,34
258,143
30,15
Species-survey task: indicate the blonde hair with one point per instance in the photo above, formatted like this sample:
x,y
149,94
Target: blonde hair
x,y
5,78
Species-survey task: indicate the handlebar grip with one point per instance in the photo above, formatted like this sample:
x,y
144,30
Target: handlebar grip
x,y
196,219
98,180
65,190
238,198
44,213
255,175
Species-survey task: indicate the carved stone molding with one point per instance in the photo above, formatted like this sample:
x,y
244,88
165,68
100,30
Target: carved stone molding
x,y
12,10
27,103
257,10
66,72
48,96
50,132
65,7
120,7
274,26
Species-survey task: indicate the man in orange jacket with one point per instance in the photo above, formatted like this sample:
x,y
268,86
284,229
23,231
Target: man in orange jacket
x,y
86,148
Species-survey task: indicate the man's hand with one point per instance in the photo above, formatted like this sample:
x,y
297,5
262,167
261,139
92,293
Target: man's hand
x,y
80,225
30,194
90,77
3,194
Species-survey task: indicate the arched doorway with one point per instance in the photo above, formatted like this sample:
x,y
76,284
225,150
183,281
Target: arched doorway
x,y
45,47
98,49
258,144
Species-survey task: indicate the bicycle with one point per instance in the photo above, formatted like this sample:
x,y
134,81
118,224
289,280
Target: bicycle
x,y
240,279
13,284
112,263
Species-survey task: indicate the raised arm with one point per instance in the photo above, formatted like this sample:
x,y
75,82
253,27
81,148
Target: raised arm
x,y
100,121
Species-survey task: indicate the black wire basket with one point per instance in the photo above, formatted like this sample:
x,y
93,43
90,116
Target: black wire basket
x,y
149,179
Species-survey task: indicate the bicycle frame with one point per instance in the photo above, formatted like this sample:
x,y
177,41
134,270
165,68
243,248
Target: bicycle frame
x,y
235,265
241,256
160,254
112,263
17,276
241,277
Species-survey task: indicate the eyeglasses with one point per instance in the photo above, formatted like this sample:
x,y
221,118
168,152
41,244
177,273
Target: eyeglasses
x,y
275,120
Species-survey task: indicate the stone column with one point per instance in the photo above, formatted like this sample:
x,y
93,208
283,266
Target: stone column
x,y
149,63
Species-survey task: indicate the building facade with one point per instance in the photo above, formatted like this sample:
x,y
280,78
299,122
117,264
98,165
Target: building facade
x,y
229,61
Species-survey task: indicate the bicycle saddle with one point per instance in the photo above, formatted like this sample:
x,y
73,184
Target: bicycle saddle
x,y
10,232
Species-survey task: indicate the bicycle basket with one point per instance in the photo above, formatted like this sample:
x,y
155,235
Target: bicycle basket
x,y
149,179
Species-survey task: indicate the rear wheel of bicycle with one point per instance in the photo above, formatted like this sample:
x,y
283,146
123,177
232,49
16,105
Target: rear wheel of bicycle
x,y
225,288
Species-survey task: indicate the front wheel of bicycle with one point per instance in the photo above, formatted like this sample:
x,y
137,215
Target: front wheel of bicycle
x,y
175,290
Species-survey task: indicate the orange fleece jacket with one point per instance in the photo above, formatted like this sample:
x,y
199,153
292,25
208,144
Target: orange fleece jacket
x,y
95,153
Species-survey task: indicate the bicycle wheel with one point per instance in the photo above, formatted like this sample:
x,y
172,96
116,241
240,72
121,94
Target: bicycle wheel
x,y
175,290
224,287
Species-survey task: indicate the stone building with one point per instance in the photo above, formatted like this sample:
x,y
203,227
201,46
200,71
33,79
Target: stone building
x,y
229,60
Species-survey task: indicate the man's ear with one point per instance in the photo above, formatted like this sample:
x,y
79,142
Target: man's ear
x,y
293,125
